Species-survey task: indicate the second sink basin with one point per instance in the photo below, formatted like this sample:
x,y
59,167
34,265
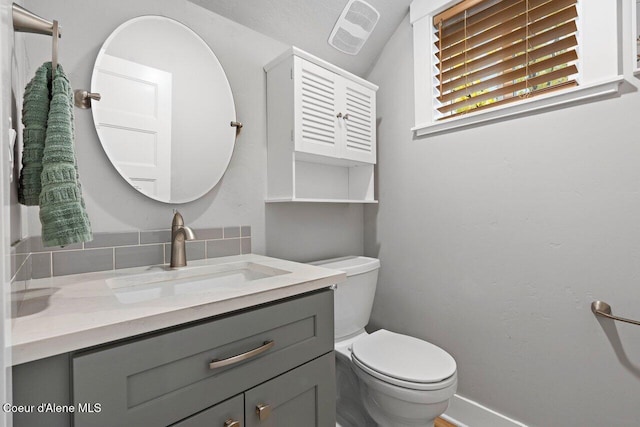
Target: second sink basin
x,y
160,282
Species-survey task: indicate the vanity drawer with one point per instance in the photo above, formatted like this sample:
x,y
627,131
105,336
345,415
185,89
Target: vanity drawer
x,y
165,378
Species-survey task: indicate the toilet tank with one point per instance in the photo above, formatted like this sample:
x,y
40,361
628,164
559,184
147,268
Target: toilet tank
x,y
354,298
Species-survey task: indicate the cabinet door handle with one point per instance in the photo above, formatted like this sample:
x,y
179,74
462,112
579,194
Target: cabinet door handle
x,y
346,116
339,115
219,363
232,423
263,411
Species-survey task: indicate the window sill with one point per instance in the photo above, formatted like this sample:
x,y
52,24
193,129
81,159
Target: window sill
x,y
579,94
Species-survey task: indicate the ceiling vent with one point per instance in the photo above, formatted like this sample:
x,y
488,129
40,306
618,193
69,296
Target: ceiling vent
x,y
357,21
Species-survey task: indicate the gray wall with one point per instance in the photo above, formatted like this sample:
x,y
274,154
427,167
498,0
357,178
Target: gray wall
x,y
239,198
495,240
312,231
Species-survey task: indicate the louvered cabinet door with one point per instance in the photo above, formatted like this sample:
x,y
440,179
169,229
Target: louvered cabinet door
x,y
316,128
358,124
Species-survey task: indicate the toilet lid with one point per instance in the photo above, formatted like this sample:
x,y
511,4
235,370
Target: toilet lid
x,y
403,357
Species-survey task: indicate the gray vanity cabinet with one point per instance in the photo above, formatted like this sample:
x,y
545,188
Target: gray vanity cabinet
x,y
278,357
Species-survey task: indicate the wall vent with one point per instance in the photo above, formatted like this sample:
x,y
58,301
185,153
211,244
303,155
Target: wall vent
x,y
356,22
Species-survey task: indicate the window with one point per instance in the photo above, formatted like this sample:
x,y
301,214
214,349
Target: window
x,y
493,52
482,60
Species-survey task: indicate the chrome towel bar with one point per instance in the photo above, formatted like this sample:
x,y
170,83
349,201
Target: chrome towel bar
x,y
28,22
601,308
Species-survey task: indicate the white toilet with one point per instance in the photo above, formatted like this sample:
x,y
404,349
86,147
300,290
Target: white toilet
x,y
384,378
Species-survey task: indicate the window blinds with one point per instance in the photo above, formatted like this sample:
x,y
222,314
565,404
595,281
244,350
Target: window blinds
x,y
492,52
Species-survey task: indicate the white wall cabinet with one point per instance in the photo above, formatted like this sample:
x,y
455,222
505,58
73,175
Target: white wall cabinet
x,y
321,131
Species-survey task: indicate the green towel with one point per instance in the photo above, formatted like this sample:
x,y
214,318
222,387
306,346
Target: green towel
x,y
34,117
62,210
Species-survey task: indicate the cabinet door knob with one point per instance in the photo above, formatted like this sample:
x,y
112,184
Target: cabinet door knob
x,y
232,423
346,116
263,411
339,115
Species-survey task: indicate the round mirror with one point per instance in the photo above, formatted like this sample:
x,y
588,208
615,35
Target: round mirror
x,y
165,116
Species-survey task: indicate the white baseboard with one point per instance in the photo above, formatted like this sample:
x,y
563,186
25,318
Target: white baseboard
x,y
467,413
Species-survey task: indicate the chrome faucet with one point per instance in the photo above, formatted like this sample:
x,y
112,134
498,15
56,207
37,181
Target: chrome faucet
x,y
179,233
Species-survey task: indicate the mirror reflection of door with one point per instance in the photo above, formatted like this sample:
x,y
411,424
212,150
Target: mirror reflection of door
x,y
135,118
165,116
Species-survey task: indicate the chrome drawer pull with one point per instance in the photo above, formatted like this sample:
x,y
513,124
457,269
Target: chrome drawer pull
x,y
219,363
263,411
232,423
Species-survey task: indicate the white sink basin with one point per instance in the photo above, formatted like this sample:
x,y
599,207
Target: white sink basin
x,y
160,282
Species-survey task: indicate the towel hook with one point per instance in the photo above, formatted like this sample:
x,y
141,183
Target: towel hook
x,y
54,54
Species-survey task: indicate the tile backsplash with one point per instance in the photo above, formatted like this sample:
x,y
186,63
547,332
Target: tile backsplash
x,y
109,251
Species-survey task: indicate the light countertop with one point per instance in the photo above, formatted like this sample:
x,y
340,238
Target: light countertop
x,y
67,313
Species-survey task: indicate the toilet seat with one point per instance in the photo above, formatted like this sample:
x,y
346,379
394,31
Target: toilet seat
x,y
404,361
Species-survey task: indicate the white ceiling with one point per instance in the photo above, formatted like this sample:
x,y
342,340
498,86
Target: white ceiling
x,y
308,23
